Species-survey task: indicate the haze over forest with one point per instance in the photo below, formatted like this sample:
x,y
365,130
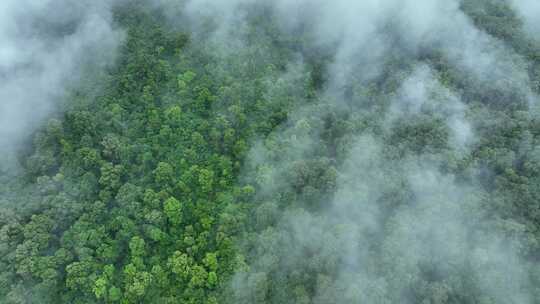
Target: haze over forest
x,y
283,151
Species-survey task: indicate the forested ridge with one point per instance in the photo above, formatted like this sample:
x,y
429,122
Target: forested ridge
x,y
245,157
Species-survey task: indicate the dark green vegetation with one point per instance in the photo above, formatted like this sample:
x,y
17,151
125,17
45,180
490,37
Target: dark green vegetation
x,y
204,176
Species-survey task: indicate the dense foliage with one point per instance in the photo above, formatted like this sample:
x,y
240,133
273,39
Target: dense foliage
x,y
188,174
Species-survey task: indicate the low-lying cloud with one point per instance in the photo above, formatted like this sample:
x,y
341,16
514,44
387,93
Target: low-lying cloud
x,y
529,10
398,226
44,48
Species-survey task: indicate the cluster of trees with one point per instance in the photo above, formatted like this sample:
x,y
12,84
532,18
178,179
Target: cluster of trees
x,y
131,196
170,185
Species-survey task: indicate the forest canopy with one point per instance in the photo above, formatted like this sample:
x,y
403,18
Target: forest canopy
x,y
250,151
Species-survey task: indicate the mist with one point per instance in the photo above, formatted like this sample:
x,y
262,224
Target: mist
x,y
46,49
286,151
400,225
528,10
